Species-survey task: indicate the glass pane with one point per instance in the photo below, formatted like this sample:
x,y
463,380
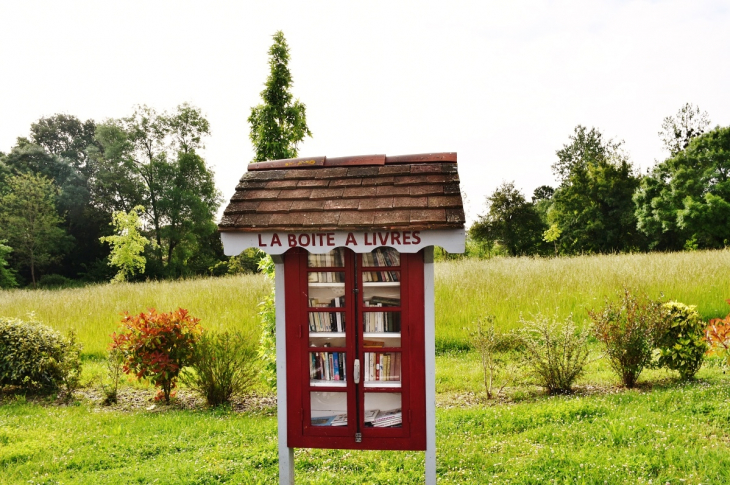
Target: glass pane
x,y
383,410
382,369
333,259
381,257
326,321
327,369
383,292
328,408
326,289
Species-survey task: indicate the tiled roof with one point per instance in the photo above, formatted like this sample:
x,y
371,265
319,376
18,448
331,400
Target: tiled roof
x,y
348,193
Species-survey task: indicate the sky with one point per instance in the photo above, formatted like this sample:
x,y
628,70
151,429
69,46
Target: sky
x,y
501,83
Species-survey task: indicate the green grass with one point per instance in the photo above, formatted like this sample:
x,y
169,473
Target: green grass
x,y
510,287
674,434
229,303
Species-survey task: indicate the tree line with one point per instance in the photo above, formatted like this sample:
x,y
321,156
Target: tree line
x,y
61,186
602,204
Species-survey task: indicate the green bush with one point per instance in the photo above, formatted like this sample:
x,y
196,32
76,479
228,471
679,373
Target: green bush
x,y
629,330
34,356
682,345
54,281
222,366
555,353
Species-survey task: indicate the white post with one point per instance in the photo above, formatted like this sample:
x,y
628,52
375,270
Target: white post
x,y
286,454
430,337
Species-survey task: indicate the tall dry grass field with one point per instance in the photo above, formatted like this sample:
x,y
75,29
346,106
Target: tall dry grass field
x,y
94,311
508,287
466,289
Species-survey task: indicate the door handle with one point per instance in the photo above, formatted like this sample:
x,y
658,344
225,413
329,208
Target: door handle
x,y
356,371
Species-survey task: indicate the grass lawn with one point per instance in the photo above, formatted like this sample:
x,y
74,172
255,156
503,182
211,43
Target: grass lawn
x,y
670,433
664,432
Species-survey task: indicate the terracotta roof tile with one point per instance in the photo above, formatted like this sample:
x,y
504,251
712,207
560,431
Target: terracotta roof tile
x,y
359,192
426,168
428,215
242,206
275,206
391,190
341,204
376,203
362,171
455,216
308,205
313,183
296,193
346,182
392,217
445,201
356,219
348,193
426,190
280,184
408,202
379,180
326,193
261,194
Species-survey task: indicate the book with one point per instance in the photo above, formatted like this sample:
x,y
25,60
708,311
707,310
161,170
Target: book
x,y
340,420
323,420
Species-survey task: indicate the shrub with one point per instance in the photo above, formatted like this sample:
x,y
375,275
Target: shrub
x,y
114,368
628,330
682,345
156,346
267,341
53,281
222,366
36,356
490,342
717,335
555,353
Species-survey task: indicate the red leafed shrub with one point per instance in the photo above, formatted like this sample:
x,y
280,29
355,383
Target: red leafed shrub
x,y
156,346
717,335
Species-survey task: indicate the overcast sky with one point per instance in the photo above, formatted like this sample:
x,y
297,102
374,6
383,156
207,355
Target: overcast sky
x,y
501,83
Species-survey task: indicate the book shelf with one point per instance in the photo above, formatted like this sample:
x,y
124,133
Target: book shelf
x,y
349,317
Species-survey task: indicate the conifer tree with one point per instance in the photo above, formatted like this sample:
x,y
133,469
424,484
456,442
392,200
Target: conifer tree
x,y
280,123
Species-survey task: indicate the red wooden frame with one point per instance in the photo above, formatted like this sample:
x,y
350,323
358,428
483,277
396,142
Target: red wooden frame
x,y
412,433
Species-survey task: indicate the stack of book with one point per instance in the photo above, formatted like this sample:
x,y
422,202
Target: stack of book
x,y
384,419
326,277
381,257
381,321
327,321
335,420
327,366
329,260
382,366
379,301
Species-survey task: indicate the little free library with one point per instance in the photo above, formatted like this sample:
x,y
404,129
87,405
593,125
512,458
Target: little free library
x,y
352,239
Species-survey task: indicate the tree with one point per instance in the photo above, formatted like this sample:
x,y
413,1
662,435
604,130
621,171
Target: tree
x,y
127,245
511,221
7,276
685,200
151,159
280,123
592,207
679,130
29,221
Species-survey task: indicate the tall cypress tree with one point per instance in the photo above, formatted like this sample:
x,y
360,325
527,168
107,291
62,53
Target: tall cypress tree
x,y
280,123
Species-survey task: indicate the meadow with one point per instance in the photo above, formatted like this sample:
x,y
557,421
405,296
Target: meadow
x,y
663,432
